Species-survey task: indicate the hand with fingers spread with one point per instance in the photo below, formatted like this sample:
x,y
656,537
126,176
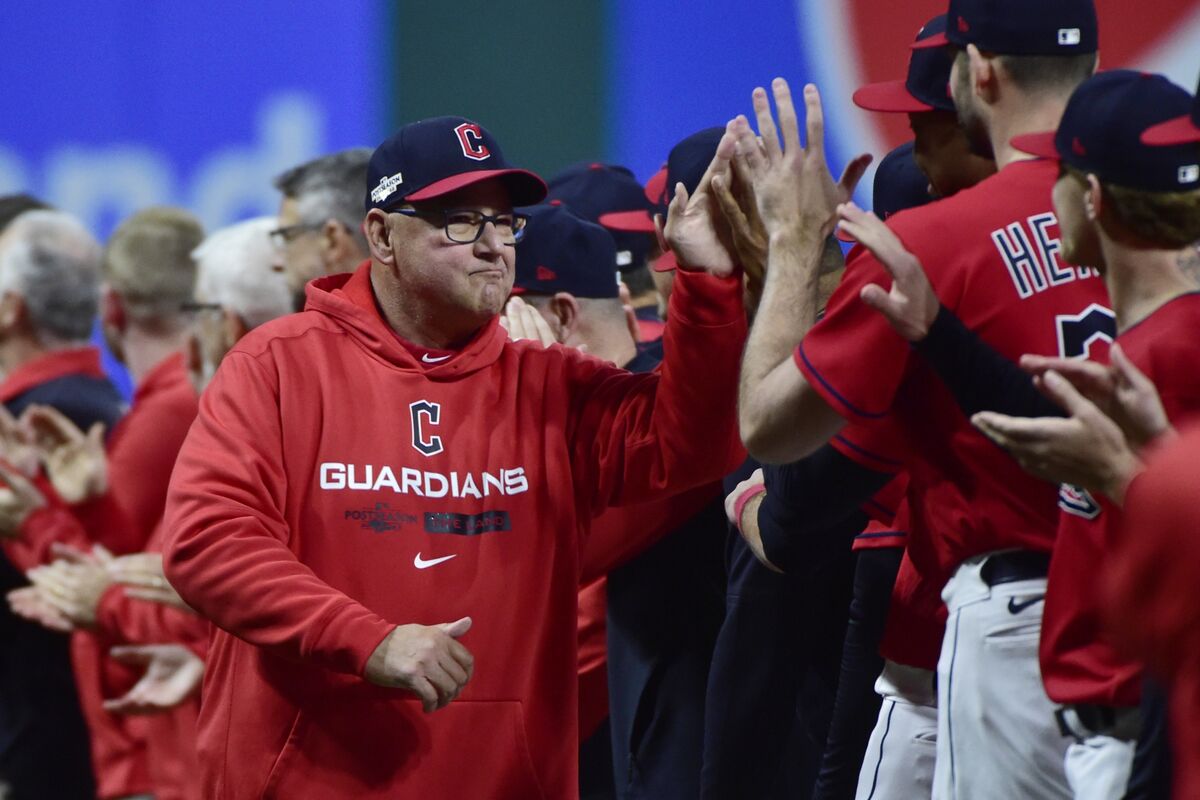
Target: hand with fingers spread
x,y
1085,449
18,499
173,673
695,230
427,660
142,575
792,182
523,321
1120,390
910,306
735,197
29,603
74,589
75,462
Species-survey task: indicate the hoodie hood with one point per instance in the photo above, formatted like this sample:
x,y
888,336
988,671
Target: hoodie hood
x,y
348,302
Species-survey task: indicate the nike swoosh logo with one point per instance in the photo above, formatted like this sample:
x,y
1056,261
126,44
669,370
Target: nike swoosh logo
x,y
421,563
425,357
1016,608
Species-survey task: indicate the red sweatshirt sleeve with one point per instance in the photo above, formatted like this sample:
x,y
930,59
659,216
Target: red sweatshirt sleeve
x,y
121,619
43,527
643,436
226,549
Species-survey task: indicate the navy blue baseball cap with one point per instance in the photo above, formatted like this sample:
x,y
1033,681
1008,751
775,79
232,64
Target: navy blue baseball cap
x,y
436,156
1021,27
686,163
598,192
899,184
1101,133
1179,130
927,87
560,252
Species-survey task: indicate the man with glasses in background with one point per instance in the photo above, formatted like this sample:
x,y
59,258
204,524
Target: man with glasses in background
x,y
389,456
320,218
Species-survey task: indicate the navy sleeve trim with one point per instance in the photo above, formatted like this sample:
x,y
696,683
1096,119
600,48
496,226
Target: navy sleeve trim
x,y
836,394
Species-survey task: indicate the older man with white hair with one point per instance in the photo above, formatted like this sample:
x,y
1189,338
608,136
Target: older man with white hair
x,y
49,295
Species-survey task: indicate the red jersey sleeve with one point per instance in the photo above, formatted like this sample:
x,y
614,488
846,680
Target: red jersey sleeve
x,y
226,550
852,357
639,437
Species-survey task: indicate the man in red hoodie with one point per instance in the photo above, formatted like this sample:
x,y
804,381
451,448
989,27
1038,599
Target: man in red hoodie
x,y
384,493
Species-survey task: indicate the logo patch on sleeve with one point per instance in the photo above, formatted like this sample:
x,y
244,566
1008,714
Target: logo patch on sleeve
x,y
1078,501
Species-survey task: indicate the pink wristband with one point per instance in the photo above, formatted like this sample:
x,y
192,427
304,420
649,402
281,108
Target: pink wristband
x,y
740,504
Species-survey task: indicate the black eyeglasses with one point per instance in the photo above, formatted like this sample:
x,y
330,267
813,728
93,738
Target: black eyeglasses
x,y
465,226
281,236
196,307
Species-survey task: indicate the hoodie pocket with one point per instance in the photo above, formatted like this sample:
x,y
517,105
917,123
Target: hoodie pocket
x,y
390,748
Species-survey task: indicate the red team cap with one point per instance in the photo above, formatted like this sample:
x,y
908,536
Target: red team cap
x,y
1101,133
436,156
927,87
1020,27
1180,130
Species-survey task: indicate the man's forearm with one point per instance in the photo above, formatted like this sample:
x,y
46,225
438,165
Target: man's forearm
x,y
790,304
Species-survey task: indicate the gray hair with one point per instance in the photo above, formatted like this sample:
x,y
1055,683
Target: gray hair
x,y
330,187
53,262
237,272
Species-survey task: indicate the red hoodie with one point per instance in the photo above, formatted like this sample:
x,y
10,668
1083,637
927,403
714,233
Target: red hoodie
x,y
328,462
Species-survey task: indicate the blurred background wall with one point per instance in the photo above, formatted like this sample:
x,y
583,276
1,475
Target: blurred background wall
x,y
109,106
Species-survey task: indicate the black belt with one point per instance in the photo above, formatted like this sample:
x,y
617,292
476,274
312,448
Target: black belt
x,y
1084,720
1013,566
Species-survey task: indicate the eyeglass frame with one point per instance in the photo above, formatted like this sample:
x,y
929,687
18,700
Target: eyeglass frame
x,y
484,219
280,237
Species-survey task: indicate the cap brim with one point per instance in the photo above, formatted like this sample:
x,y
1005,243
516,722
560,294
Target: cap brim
x,y
1036,144
843,236
890,97
937,40
1181,130
524,188
631,221
657,185
666,263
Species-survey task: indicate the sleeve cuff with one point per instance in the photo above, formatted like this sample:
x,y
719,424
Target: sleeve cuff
x,y
350,637
701,298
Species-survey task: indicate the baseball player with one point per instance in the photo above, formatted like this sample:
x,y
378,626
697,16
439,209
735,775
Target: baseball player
x,y
1128,208
983,526
382,502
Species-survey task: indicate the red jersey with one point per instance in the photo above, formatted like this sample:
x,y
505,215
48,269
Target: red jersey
x,y
1079,664
916,621
991,254
334,486
1151,592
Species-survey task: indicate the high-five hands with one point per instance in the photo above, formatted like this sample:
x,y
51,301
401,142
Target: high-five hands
x,y
695,230
910,306
427,660
792,183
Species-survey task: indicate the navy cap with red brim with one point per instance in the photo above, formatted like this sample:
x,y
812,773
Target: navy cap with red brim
x,y
524,187
889,96
1181,130
937,40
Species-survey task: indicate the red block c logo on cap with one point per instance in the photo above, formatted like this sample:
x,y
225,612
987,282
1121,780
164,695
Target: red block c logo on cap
x,y
470,138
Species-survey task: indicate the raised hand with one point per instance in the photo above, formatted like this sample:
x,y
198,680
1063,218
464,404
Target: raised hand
x,y
695,230
910,306
75,462
1085,449
73,589
1120,390
18,499
29,603
173,673
792,182
142,575
427,660
523,321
